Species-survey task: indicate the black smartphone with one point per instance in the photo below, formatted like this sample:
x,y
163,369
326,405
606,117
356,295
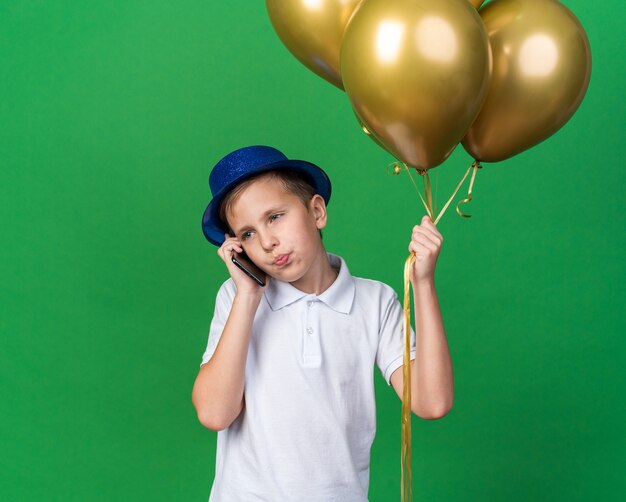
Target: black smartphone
x,y
249,268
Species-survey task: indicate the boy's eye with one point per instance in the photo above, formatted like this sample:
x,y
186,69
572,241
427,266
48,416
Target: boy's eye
x,y
275,216
245,235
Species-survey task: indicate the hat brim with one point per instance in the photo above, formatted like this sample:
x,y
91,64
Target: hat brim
x,y
212,226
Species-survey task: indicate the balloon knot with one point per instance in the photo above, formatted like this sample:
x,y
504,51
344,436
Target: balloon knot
x,y
394,169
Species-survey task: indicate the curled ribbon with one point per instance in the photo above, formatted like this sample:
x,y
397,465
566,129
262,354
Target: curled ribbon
x,y
476,165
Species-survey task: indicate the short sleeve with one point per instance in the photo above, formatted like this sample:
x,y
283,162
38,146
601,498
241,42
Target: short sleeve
x,y
390,353
223,305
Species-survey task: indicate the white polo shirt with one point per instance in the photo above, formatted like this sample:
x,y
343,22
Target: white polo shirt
x,y
309,417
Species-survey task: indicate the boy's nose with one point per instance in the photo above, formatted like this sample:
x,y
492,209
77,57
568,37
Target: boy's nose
x,y
268,241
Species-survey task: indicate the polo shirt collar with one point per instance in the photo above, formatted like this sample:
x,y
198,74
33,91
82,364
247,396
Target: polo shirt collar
x,y
339,296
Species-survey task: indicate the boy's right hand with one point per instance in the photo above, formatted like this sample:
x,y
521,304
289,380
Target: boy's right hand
x,y
243,283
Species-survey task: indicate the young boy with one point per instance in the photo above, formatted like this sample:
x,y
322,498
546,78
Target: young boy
x,y
287,376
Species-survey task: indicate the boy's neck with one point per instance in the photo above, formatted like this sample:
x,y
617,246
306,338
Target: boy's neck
x,y
320,276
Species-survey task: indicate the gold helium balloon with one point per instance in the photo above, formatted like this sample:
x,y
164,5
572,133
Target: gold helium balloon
x,y
541,71
476,3
367,131
416,73
312,30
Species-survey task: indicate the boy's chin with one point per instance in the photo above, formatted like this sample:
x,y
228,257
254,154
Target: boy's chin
x,y
289,274
284,276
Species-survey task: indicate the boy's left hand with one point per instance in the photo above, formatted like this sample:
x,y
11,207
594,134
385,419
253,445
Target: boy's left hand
x,y
426,243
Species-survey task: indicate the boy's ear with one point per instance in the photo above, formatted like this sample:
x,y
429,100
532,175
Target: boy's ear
x,y
318,209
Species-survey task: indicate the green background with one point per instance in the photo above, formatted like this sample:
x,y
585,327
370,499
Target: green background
x,y
111,116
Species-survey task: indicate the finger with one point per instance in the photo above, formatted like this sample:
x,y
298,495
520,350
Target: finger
x,y
230,241
425,236
421,251
227,249
425,241
429,224
228,237
233,240
233,248
434,236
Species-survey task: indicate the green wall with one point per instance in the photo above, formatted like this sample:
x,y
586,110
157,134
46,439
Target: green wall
x,y
111,116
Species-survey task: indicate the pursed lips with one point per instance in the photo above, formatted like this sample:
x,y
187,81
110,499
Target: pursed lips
x,y
281,259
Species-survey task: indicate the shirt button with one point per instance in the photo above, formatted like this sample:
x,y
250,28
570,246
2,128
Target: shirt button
x,y
309,331
310,304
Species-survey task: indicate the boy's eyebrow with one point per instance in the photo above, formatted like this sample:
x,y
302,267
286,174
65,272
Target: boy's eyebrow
x,y
263,216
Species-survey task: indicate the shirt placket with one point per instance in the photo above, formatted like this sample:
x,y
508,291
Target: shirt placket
x,y
311,345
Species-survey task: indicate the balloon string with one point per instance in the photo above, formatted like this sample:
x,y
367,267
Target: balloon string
x,y
406,482
436,189
476,165
428,203
429,193
406,490
396,171
453,194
